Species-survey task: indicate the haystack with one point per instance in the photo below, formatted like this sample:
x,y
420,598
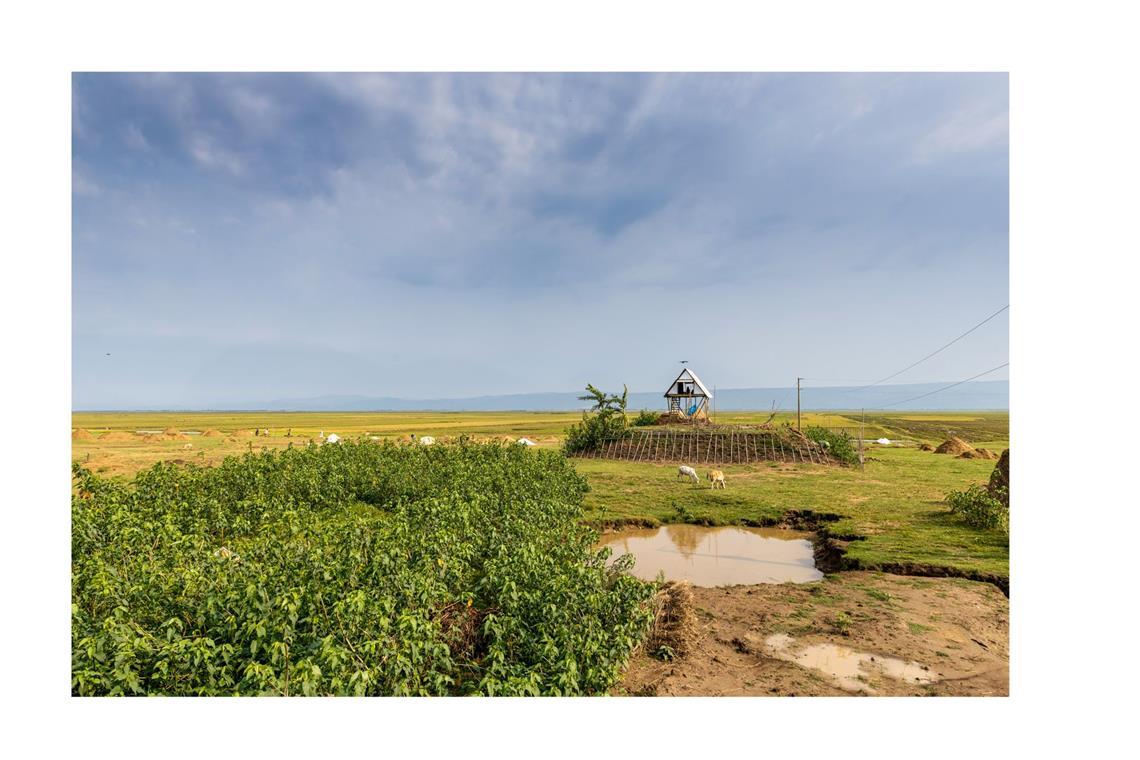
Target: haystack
x,y
117,435
674,620
999,478
79,434
954,445
987,454
212,434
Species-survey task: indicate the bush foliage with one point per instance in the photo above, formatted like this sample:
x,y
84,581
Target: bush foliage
x,y
980,508
606,420
645,418
839,445
350,569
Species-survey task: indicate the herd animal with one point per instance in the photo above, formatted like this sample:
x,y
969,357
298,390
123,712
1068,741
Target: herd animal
x,y
716,477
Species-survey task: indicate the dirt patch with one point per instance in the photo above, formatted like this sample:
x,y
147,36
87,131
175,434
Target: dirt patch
x,y
80,434
953,445
956,631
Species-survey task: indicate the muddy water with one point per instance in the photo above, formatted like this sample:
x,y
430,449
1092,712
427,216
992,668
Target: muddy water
x,y
852,671
718,556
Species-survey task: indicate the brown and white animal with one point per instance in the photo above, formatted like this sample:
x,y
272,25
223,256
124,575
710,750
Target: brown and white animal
x,y
716,476
684,471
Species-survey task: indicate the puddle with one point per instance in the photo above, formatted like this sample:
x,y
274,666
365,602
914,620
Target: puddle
x,y
851,670
717,556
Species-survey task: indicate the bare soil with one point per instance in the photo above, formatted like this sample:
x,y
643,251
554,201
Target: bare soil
x,y
957,629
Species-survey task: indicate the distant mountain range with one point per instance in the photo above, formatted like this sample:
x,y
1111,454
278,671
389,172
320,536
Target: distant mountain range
x,y
980,395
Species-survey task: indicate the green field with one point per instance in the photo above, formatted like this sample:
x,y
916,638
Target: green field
x,y
895,504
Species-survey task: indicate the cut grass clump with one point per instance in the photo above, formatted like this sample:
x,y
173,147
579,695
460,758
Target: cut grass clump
x,y
674,629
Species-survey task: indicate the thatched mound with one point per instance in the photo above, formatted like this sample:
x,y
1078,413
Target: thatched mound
x,y
987,454
670,418
999,478
117,435
79,434
212,434
674,620
925,447
955,446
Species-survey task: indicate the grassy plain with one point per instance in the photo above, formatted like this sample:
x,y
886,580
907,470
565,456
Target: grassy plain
x,y
895,504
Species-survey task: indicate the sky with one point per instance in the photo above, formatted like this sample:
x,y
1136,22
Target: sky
x,y
252,237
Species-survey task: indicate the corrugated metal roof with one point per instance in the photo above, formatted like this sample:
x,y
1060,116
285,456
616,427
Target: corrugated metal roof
x,y
688,375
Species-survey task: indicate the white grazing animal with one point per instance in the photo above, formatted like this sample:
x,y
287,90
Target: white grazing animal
x,y
426,440
684,471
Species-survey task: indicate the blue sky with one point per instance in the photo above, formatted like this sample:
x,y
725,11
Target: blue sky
x,y
246,237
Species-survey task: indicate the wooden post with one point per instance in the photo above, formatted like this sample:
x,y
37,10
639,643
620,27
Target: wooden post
x,y
798,402
862,420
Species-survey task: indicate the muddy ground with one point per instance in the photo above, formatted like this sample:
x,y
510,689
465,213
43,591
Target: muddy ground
x,y
954,633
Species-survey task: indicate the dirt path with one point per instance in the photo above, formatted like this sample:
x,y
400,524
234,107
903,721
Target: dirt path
x,y
851,633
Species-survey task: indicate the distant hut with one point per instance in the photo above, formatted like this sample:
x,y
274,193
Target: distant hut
x,y
688,395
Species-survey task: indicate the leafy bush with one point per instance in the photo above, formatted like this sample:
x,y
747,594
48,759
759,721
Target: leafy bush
x,y
645,418
839,445
605,421
981,509
354,569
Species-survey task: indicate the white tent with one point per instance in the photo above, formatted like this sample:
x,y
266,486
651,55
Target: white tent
x,y
333,438
426,440
526,442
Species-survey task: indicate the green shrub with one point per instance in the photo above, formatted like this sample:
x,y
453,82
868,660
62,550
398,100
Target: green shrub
x,y
645,418
604,422
981,509
839,445
352,569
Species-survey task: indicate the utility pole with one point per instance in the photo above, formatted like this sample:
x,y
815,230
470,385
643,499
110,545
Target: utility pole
x,y
798,402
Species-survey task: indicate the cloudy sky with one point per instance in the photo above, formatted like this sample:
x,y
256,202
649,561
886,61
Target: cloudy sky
x,y
256,237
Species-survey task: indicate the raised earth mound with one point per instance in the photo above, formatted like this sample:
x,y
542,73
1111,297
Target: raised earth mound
x,y
999,479
80,434
978,454
953,445
925,447
212,434
117,435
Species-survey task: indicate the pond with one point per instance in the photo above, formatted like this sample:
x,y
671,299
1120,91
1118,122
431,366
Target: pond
x,y
717,556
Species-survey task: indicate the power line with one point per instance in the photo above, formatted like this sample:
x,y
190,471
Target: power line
x,y
948,387
933,353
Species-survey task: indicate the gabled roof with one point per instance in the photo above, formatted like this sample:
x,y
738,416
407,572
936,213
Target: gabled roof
x,y
689,376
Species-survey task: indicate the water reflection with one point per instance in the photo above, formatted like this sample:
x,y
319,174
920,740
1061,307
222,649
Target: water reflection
x,y
852,670
718,556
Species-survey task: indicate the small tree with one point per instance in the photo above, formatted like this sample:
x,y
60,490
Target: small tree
x,y
605,420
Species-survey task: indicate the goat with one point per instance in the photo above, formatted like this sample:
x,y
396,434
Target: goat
x,y
716,476
684,471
